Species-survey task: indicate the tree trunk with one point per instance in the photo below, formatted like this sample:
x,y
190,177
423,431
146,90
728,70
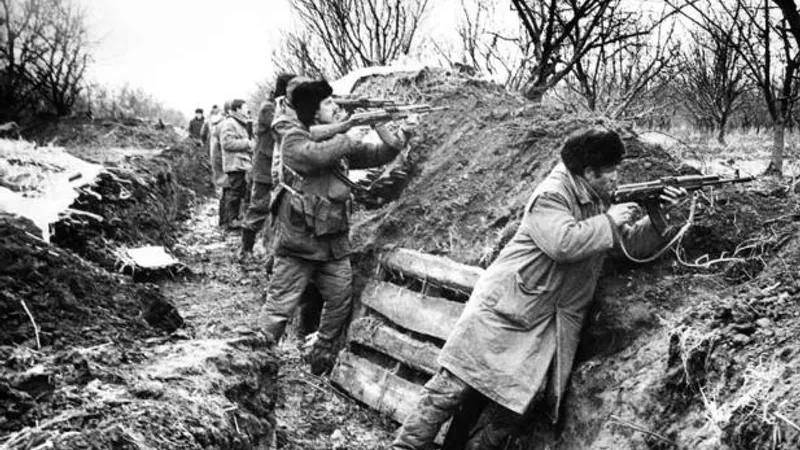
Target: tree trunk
x,y
534,92
778,137
721,132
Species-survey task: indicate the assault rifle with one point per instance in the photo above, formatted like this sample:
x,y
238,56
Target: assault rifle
x,y
351,103
389,113
647,193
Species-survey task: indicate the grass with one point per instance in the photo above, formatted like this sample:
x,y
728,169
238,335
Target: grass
x,y
744,149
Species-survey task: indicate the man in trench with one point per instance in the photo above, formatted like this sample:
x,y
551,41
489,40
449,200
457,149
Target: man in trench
x,y
258,209
517,336
312,206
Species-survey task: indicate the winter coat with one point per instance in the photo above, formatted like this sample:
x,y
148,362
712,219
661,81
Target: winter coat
x,y
262,155
524,317
215,150
312,202
196,127
236,145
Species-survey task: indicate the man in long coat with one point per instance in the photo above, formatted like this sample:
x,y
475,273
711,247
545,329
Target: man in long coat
x,y
518,334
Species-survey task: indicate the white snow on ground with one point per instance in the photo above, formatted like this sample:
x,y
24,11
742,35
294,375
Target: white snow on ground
x,y
40,183
344,85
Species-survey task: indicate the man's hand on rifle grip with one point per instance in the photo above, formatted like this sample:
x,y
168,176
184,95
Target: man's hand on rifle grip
x,y
672,197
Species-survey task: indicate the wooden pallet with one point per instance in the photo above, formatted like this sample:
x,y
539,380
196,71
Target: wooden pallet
x,y
394,342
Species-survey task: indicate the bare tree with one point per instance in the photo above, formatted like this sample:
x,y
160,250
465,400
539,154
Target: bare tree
x,y
712,79
361,33
300,53
490,46
46,52
562,32
769,50
619,79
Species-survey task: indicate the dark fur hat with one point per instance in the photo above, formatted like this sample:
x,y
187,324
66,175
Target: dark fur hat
x,y
281,83
597,148
306,98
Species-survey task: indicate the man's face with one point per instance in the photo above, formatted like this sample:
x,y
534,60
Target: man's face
x,y
245,110
603,180
198,115
328,112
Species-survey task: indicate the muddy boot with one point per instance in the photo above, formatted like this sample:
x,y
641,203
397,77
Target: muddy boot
x,y
321,357
248,239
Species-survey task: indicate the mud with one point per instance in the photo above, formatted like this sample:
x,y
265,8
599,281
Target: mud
x,y
684,352
694,352
92,359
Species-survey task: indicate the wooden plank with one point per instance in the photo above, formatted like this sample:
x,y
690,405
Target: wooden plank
x,y
437,270
431,316
375,386
400,346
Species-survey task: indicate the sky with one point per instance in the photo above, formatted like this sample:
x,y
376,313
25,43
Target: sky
x,y
196,53
186,53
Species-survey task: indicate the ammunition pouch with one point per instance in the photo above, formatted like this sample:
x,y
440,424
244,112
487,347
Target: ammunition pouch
x,y
318,215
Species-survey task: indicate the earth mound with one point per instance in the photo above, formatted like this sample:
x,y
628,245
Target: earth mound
x,y
678,353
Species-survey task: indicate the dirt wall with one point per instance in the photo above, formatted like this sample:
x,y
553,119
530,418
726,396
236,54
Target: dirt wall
x,y
679,353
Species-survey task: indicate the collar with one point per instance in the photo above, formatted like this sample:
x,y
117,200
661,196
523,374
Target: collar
x,y
285,113
584,192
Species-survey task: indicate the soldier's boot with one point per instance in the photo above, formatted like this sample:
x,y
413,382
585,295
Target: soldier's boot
x,y
321,357
248,240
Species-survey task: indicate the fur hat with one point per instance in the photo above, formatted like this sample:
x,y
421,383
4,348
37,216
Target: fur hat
x,y
292,85
306,98
597,148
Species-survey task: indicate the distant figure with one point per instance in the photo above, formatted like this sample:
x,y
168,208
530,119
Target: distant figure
x,y
205,132
215,154
196,124
258,210
236,139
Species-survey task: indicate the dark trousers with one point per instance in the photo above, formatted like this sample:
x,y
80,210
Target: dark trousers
x,y
443,397
258,208
223,208
238,194
291,276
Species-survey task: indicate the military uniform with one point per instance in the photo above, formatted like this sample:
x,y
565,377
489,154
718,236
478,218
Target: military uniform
x,y
258,209
312,205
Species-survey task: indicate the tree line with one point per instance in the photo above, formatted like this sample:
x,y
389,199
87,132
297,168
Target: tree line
x,y
45,51
714,64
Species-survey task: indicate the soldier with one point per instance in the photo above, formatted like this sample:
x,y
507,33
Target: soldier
x,y
236,140
312,208
258,210
519,332
215,154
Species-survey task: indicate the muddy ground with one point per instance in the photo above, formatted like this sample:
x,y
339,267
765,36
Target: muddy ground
x,y
695,350
690,351
160,359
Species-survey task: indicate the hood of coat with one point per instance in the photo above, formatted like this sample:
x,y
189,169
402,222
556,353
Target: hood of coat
x,y
285,113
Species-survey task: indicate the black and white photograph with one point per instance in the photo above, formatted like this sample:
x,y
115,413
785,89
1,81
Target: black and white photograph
x,y
399,225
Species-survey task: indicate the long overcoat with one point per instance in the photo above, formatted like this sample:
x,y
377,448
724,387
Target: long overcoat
x,y
524,317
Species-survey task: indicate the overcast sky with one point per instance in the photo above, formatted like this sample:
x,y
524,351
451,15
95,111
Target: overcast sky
x,y
195,53
187,53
